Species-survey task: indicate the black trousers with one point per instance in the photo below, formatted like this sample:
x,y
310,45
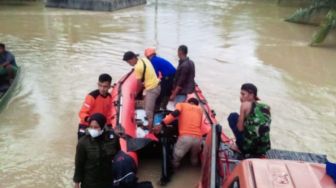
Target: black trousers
x,y
166,90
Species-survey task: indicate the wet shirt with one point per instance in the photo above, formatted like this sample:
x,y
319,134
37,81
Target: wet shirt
x,y
189,119
7,57
96,103
257,130
163,66
185,76
150,79
93,161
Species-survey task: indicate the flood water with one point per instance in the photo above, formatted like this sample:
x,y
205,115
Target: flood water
x,y
62,52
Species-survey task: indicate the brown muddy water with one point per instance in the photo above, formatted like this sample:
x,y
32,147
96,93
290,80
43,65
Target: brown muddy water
x,y
63,51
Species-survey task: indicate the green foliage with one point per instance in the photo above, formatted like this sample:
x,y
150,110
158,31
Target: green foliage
x,y
305,15
327,25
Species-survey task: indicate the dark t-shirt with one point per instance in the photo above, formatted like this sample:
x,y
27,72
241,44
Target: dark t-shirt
x,y
185,76
7,56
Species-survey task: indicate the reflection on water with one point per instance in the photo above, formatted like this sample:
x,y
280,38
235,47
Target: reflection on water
x,y
63,51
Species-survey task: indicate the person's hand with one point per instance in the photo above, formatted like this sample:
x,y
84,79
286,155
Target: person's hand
x,y
157,129
172,97
76,185
150,128
120,131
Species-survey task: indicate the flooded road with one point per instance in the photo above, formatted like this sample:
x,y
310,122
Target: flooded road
x,y
62,52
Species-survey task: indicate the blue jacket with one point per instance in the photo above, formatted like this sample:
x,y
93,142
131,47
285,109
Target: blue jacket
x,y
163,66
7,56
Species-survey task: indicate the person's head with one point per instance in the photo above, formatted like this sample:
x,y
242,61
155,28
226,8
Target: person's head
x,y
248,92
131,58
182,51
193,101
150,52
2,48
97,123
104,83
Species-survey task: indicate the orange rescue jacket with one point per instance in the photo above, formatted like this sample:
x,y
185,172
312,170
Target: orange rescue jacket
x,y
96,103
189,118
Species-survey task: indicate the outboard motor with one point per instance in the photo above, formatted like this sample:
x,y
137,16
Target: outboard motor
x,y
167,137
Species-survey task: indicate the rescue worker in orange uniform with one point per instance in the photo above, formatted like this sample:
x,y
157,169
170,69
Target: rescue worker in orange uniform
x,y
98,101
189,116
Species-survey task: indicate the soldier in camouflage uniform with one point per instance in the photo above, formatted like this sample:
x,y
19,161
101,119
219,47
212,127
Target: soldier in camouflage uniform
x,y
252,126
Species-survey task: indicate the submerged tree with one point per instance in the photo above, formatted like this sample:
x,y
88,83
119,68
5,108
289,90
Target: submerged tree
x,y
326,8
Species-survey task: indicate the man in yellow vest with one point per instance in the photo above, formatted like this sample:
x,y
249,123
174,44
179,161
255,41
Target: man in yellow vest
x,y
146,77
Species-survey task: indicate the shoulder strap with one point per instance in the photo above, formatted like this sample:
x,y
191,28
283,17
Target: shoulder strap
x,y
144,71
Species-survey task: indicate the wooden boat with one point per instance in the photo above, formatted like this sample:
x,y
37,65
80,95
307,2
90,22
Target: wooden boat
x,y
6,89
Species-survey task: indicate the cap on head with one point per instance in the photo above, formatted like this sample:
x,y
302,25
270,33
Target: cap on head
x,y
129,55
149,52
250,88
193,100
100,118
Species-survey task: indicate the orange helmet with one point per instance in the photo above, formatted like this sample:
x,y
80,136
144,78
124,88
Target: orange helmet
x,y
149,52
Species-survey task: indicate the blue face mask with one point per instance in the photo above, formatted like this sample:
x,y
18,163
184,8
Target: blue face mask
x,y
94,132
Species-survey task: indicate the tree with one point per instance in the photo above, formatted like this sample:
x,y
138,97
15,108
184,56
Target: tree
x,y
316,7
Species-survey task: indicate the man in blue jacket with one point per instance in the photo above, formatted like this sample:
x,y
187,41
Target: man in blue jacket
x,y
166,72
8,65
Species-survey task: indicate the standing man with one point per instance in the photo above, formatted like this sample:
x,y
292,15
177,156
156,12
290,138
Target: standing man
x,y
8,65
184,81
252,126
189,116
146,77
165,71
98,101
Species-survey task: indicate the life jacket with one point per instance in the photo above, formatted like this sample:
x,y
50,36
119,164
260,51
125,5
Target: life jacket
x,y
96,103
257,130
189,119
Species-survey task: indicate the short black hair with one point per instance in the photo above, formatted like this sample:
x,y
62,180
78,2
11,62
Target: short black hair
x,y
2,45
129,55
193,100
250,88
184,49
105,78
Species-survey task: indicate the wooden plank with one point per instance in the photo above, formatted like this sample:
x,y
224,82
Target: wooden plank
x,y
297,156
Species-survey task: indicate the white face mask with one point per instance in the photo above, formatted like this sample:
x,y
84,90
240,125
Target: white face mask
x,y
94,132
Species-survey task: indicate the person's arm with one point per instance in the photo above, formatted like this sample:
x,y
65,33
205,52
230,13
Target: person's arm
x,y
77,185
244,110
138,71
139,86
175,92
80,160
173,115
160,76
168,119
109,114
87,106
